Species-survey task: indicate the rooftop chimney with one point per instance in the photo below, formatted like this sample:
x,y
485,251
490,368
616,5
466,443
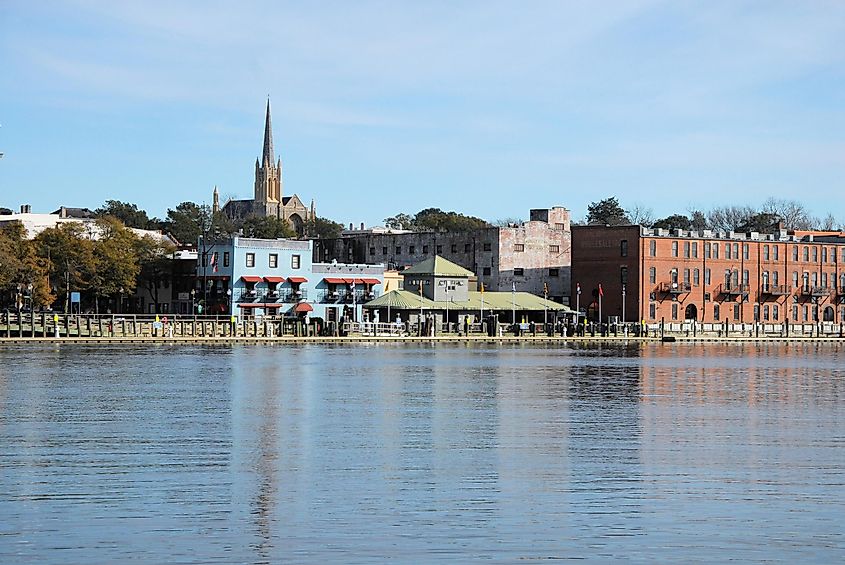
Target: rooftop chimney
x,y
26,209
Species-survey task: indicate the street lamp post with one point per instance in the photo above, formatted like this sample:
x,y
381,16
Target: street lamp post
x,y
623,304
577,301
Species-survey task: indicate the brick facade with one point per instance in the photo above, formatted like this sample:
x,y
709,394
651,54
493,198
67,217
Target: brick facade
x,y
710,277
523,256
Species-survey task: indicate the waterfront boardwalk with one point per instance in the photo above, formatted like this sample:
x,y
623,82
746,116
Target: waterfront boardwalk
x,y
450,338
28,327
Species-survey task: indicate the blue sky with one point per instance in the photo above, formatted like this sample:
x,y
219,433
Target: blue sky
x,y
488,108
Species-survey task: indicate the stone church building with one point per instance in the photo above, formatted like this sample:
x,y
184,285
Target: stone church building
x,y
268,199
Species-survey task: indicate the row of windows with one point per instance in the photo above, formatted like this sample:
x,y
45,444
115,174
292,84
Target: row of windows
x,y
732,277
732,251
520,272
412,249
273,260
769,313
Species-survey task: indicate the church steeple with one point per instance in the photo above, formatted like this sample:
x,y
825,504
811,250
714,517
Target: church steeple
x,y
268,169
267,155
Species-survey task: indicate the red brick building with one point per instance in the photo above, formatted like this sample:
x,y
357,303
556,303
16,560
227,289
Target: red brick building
x,y
711,277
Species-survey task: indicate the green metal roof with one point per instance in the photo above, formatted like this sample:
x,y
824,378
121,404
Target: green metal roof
x,y
522,301
438,266
403,300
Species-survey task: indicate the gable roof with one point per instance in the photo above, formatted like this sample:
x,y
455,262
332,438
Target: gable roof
x,y
403,300
439,267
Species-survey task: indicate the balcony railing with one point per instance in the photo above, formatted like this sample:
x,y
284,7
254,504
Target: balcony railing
x,y
246,296
328,297
280,295
730,289
816,291
675,288
777,289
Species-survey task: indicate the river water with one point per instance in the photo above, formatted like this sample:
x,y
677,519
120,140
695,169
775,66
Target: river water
x,y
422,453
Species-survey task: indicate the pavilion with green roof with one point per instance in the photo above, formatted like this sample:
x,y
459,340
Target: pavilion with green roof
x,y
440,288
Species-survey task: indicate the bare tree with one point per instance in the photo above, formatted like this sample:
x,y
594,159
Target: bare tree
x,y
729,218
639,214
505,222
792,213
828,223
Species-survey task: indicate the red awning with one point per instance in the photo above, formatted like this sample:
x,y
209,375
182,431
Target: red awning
x,y
297,279
349,281
334,281
250,279
275,280
372,281
303,307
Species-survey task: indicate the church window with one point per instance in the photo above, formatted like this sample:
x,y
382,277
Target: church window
x,y
294,261
274,260
623,248
250,259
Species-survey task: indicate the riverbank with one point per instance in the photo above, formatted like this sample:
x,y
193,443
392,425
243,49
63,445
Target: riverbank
x,y
358,339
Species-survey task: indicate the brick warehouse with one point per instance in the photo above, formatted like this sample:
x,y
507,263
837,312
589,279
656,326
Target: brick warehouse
x,y
525,256
709,276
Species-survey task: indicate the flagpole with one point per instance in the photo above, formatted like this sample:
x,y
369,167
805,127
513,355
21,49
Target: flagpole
x,y
577,301
600,295
481,320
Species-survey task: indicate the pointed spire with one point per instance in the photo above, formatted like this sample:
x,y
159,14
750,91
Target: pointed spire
x,y
268,155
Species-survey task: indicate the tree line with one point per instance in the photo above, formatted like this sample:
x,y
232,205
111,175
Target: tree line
x,y
435,219
789,214
103,261
188,221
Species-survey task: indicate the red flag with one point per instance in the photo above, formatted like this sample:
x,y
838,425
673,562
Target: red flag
x,y
601,292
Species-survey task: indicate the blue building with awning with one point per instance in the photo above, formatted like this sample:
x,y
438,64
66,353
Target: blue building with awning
x,y
250,278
